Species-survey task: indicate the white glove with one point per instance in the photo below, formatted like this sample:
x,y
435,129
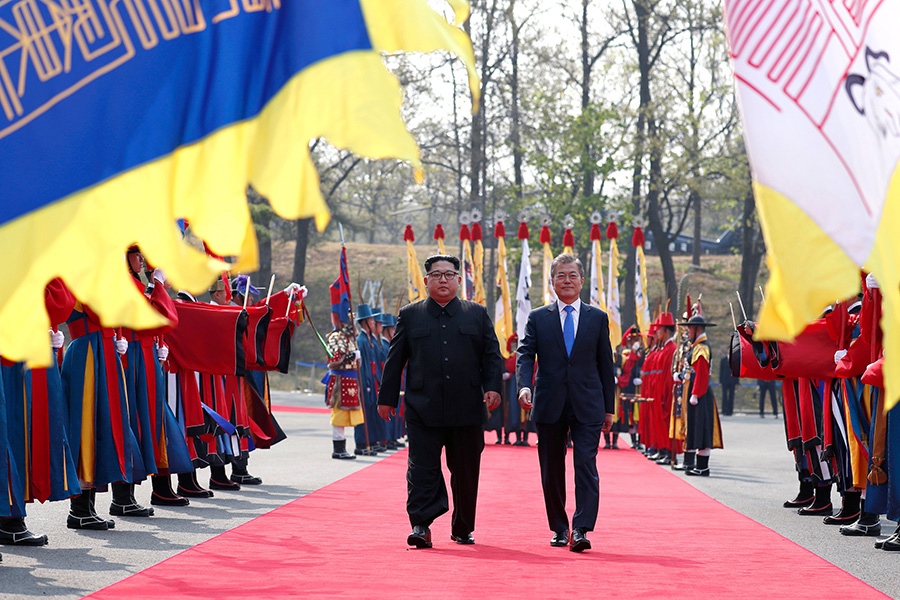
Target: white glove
x,y
871,282
636,346
694,400
637,381
298,290
357,355
162,352
121,345
676,376
56,339
159,276
505,376
839,355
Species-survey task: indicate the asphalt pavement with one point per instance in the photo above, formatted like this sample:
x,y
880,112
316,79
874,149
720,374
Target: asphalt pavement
x,y
753,475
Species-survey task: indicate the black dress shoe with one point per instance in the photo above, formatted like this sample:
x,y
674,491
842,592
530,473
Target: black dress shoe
x,y
580,543
129,510
816,511
420,537
861,529
891,544
560,539
464,540
695,472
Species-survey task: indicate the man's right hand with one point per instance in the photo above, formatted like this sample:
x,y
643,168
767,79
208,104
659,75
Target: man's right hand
x,y
385,411
525,399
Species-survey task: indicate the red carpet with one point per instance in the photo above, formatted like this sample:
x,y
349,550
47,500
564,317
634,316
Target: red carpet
x,y
347,540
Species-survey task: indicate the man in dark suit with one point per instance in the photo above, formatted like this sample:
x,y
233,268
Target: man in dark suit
x,y
453,369
574,393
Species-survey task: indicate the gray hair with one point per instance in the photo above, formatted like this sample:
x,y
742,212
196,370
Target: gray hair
x,y
566,259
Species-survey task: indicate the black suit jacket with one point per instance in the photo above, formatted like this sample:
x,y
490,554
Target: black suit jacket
x,y
452,358
586,378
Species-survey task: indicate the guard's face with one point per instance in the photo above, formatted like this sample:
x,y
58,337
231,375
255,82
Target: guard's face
x,y
694,331
442,282
135,261
220,297
567,282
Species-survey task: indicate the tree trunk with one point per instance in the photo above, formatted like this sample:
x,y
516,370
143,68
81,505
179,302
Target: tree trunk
x,y
643,49
694,199
752,250
300,251
655,220
587,170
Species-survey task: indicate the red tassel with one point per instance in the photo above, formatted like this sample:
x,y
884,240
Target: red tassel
x,y
464,233
595,232
476,232
523,231
568,239
638,238
690,307
612,232
408,235
438,232
545,235
499,230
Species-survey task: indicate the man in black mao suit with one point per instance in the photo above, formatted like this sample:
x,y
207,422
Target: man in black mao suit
x,y
574,392
453,369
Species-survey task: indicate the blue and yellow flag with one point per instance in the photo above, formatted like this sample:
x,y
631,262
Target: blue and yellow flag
x,y
117,119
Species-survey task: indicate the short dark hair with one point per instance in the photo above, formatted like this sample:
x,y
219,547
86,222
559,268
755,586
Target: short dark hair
x,y
566,259
441,257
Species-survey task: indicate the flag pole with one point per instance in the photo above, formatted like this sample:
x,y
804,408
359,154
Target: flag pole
x,y
365,422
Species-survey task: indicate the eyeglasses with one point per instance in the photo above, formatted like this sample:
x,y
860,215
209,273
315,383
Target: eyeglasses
x,y
445,275
567,276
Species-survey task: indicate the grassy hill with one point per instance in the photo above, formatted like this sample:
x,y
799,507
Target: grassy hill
x,y
717,283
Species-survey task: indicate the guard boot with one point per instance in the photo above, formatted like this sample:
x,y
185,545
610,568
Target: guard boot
x,y
83,516
218,480
14,533
123,502
189,487
821,505
849,510
240,475
805,496
163,494
340,450
690,459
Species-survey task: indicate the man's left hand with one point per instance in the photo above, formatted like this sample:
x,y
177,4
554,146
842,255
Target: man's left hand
x,y
492,399
607,425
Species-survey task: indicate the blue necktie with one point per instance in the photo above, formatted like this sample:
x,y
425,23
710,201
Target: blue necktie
x,y
569,330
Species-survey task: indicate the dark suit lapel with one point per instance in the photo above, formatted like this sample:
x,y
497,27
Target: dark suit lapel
x,y
584,322
555,326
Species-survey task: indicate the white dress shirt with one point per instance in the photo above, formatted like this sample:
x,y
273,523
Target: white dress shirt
x,y
575,313
562,321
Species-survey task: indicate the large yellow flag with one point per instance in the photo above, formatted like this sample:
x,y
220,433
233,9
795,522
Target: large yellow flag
x,y
641,304
503,320
547,260
478,264
819,91
598,296
115,123
612,288
414,279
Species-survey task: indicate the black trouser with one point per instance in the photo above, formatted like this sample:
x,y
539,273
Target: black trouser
x,y
426,489
552,438
762,399
728,398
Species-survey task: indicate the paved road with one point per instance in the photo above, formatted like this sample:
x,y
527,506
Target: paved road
x,y
753,475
